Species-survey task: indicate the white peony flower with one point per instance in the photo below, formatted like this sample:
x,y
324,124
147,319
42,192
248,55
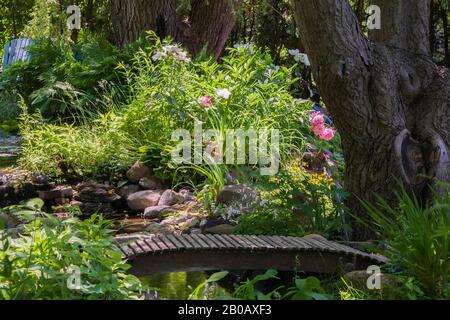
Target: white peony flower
x,y
159,56
173,49
223,94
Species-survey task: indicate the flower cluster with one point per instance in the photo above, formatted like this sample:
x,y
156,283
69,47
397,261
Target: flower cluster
x,y
300,57
206,101
171,51
318,127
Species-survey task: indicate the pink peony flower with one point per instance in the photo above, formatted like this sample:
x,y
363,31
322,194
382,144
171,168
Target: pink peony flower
x,y
205,101
317,120
327,134
318,130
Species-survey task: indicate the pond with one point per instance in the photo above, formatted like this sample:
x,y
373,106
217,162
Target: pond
x,y
175,285
9,149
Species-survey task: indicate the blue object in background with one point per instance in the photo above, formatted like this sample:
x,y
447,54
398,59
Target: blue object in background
x,y
16,50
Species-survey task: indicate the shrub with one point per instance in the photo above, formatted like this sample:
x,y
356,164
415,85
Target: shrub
x,y
162,96
296,203
40,263
418,238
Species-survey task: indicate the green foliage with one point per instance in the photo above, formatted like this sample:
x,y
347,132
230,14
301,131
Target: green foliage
x,y
304,289
297,203
9,107
40,263
14,15
74,151
307,289
67,82
418,238
162,96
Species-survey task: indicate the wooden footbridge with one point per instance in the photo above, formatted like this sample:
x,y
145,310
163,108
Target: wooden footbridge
x,y
149,254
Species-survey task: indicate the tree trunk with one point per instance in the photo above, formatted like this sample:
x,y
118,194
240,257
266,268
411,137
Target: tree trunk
x,y
131,17
14,23
209,23
444,14
389,100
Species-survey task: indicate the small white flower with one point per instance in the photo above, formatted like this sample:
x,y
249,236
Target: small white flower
x,y
223,94
294,52
173,49
303,58
159,56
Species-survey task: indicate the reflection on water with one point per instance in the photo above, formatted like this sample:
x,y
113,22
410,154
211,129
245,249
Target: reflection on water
x,y
175,285
9,149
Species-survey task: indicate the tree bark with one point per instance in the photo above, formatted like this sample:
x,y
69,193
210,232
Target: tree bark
x,y
131,17
389,100
208,24
211,23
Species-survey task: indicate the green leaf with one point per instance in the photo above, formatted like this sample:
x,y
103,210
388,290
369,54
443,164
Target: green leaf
x,y
35,203
217,276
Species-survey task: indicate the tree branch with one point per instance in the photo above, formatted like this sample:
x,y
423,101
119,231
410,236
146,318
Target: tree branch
x,y
404,24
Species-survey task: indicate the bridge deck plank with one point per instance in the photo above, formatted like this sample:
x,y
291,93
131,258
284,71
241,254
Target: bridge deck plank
x,y
208,241
217,241
272,242
134,248
126,250
176,242
292,243
144,246
247,242
231,241
186,244
262,243
153,245
282,244
254,243
285,243
242,244
167,242
302,243
334,246
160,243
202,243
318,245
194,243
226,241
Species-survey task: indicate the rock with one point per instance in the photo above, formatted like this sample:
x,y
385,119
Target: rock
x,y
124,192
58,192
14,193
238,194
169,198
157,212
62,201
187,195
92,191
156,228
358,279
40,179
205,224
8,221
315,237
133,225
150,183
220,229
141,200
90,208
195,231
138,171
